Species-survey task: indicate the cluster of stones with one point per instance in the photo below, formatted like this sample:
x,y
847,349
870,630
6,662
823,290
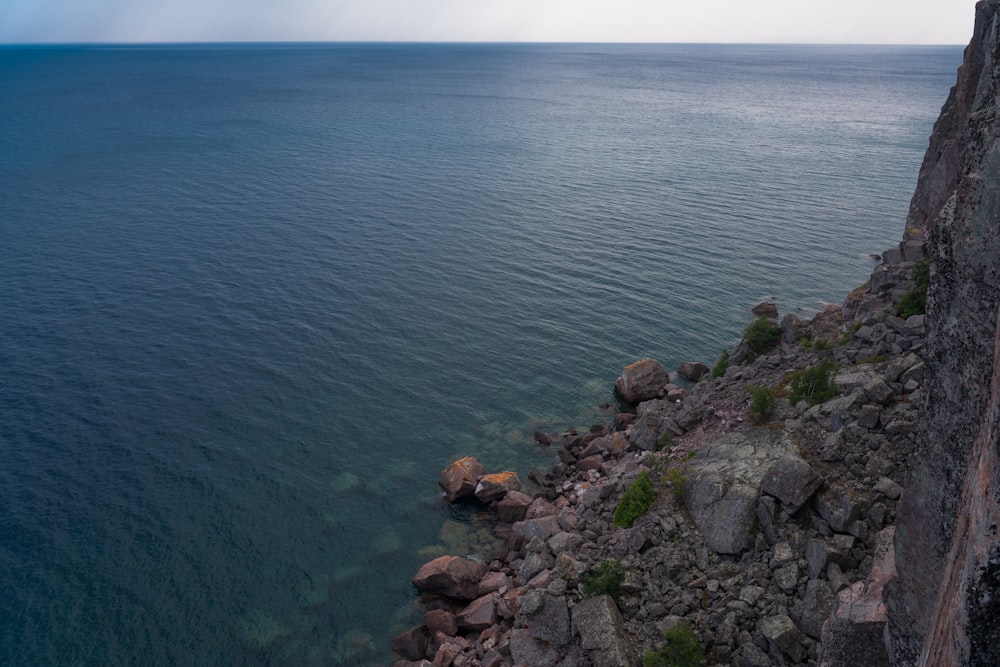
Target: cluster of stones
x,y
773,541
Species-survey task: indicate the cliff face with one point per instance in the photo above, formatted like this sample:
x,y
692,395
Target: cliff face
x,y
945,604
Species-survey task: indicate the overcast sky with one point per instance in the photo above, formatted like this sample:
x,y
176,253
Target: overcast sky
x,y
803,21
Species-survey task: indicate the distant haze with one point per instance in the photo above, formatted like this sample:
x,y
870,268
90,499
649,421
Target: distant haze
x,y
765,21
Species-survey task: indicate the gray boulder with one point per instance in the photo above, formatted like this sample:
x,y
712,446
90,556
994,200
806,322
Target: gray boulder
x,y
599,625
792,481
723,485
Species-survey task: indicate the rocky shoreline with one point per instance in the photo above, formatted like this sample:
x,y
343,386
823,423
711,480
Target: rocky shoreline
x,y
770,535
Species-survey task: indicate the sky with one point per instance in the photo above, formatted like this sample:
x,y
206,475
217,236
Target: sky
x,y
742,21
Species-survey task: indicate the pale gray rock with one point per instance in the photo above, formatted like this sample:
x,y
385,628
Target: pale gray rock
x,y
599,625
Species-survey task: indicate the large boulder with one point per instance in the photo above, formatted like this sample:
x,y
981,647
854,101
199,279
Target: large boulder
x,y
723,485
450,576
495,486
601,629
458,481
792,481
642,380
546,616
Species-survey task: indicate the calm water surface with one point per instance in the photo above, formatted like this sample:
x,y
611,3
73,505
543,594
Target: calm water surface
x,y
254,298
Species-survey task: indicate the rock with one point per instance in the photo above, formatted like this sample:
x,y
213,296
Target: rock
x,y
692,370
854,632
479,615
817,557
723,485
724,512
787,578
783,637
526,650
889,488
546,617
878,391
450,576
412,644
792,481
495,486
814,608
642,380
766,309
543,528
440,620
458,481
513,507
838,509
599,625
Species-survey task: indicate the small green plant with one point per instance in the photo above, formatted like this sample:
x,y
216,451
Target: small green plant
x,y
604,579
806,342
762,404
676,477
683,649
636,501
914,302
848,335
762,335
665,442
719,369
821,344
814,384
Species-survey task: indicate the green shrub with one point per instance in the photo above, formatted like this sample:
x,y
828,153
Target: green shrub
x,y
914,302
762,404
719,369
665,442
762,335
677,477
683,649
814,384
635,502
604,579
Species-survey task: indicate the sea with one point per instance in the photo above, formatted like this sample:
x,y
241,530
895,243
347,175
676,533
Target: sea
x,y
255,297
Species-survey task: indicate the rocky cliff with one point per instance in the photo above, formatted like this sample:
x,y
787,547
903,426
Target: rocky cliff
x,y
945,602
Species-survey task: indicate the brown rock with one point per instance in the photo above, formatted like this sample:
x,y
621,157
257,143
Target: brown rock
x,y
479,615
642,380
440,620
493,581
451,577
458,481
692,371
765,309
591,463
513,507
412,644
540,508
495,486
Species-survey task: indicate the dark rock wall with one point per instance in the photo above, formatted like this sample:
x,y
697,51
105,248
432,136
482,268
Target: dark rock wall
x,y
943,606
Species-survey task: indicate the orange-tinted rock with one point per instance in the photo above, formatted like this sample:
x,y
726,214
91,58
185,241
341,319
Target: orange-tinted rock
x,y
458,481
495,486
451,577
642,380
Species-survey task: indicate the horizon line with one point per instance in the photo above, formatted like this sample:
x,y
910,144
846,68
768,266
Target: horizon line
x,y
458,42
